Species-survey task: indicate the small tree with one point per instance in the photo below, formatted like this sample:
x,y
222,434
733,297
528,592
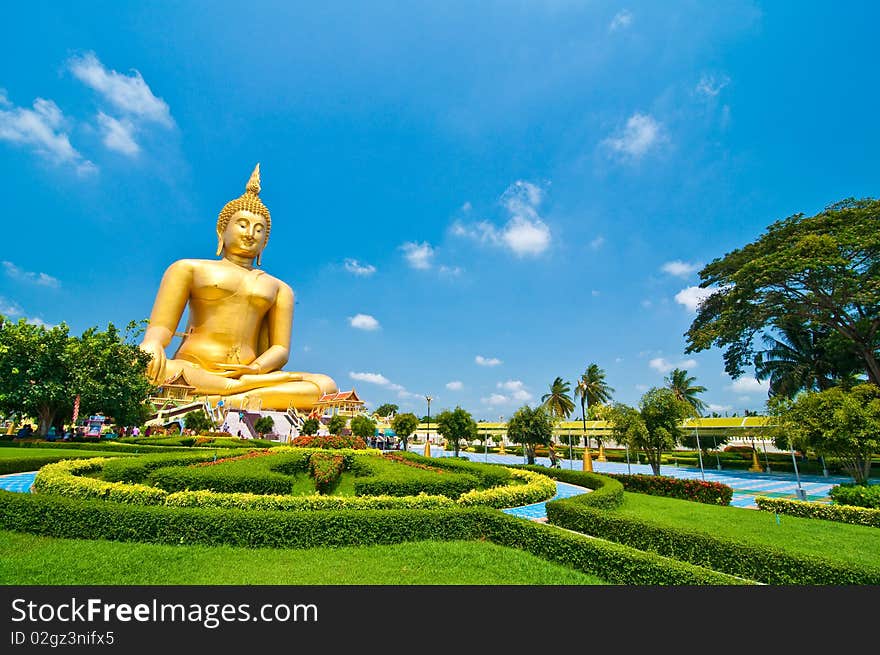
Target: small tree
x,y
655,427
456,426
363,427
310,426
531,428
837,422
197,421
264,425
404,425
336,424
386,410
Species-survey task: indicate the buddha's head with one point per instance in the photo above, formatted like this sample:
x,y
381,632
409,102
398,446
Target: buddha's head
x,y
244,223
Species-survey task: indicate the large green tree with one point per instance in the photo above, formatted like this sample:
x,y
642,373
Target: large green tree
x,y
558,402
685,388
404,425
456,426
531,428
43,369
310,426
336,424
836,422
386,410
592,389
655,427
199,421
264,425
805,358
821,271
363,426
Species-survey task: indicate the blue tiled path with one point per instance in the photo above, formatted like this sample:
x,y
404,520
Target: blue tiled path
x,y
538,511
745,484
20,482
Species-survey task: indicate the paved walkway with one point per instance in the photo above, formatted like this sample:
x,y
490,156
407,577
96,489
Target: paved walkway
x,y
538,511
20,482
745,484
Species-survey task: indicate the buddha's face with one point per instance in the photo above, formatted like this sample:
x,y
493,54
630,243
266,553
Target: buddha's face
x,y
245,234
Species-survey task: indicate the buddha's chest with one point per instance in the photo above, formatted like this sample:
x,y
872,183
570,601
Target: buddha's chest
x,y
233,288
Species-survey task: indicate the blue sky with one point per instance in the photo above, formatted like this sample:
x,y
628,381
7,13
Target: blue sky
x,y
468,199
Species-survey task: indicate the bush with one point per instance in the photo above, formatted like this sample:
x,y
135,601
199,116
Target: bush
x,y
711,493
489,475
753,562
61,479
607,492
840,513
332,441
34,462
858,495
377,476
77,519
537,487
326,469
245,501
137,469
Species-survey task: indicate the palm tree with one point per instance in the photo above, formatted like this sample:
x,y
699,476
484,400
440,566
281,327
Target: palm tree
x,y
558,402
805,358
684,388
592,390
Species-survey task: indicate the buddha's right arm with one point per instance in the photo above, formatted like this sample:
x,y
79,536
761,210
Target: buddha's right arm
x,y
170,302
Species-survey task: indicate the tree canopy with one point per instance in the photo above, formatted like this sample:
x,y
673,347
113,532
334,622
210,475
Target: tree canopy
x,y
685,388
592,390
821,270
363,427
531,428
386,410
456,426
43,369
558,402
198,421
310,426
336,424
404,425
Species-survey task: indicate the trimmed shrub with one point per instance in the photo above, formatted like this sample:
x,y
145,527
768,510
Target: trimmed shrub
x,y
537,487
380,477
326,469
751,561
60,479
858,495
700,491
34,462
220,478
137,469
304,503
77,519
607,492
489,475
332,441
840,513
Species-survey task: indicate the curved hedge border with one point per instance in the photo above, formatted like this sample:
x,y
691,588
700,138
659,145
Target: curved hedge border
x,y
751,561
79,519
857,495
62,478
700,491
840,513
606,491
105,446
138,469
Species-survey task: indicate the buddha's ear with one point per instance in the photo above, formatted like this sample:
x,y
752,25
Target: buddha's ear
x,y
219,243
260,258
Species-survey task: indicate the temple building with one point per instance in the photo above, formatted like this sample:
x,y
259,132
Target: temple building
x,y
344,402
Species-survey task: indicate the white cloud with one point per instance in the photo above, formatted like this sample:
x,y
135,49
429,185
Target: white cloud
x,y
679,268
496,399
487,361
418,255
595,293
363,322
40,279
692,297
455,385
517,390
354,266
597,243
33,320
642,387
525,233
451,271
9,307
372,378
710,86
748,385
663,365
712,407
43,129
622,19
647,304
118,135
641,133
617,360
127,93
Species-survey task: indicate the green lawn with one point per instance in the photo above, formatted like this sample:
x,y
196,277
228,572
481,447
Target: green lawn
x,y
32,560
842,542
66,453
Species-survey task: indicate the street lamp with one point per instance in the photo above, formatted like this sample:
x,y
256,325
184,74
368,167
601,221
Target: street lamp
x,y
428,434
801,494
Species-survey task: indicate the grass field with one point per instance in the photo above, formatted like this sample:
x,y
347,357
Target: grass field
x,y
829,539
32,560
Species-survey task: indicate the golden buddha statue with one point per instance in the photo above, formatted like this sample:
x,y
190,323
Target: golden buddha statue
x,y
240,319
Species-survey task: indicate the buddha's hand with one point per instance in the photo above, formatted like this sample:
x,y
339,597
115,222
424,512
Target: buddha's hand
x,y
237,370
156,367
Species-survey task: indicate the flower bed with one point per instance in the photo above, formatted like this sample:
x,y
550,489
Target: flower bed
x,y
332,441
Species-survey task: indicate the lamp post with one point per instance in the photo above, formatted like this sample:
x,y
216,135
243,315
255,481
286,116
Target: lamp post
x,y
801,494
501,449
699,451
428,433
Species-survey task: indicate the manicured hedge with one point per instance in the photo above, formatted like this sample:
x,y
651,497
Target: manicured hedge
x,y
304,503
108,446
326,469
379,477
178,478
489,475
537,487
751,561
77,519
25,463
859,495
137,469
62,479
711,493
840,513
606,492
